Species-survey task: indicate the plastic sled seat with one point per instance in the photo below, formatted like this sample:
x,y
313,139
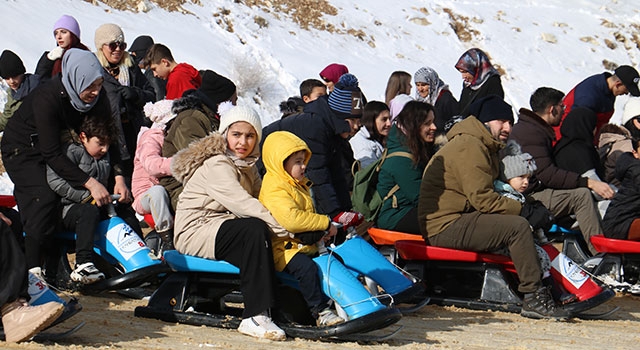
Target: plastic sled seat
x,y
119,253
617,263
202,291
383,237
615,246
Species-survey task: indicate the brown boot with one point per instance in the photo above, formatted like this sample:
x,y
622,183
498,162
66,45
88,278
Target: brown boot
x,y
21,322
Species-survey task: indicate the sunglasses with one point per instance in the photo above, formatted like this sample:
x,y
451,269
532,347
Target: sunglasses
x,y
117,44
325,79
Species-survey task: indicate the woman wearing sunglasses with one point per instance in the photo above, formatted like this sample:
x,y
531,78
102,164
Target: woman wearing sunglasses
x,y
127,88
66,31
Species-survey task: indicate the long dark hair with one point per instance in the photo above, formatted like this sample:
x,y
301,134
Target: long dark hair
x,y
369,115
409,121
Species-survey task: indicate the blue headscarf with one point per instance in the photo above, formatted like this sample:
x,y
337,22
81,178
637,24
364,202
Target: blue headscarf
x,y
80,68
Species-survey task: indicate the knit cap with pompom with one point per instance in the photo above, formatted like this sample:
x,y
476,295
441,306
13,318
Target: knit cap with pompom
x,y
515,163
159,113
346,100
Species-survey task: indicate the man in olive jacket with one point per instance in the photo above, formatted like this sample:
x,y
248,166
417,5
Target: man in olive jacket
x,y
459,209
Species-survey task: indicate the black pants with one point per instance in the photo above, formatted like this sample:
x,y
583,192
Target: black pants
x,y
246,244
13,268
305,271
83,219
37,203
409,223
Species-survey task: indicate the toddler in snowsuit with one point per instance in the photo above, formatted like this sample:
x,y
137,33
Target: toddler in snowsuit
x,y
285,193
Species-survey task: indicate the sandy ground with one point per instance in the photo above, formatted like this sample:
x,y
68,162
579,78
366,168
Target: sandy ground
x,y
110,324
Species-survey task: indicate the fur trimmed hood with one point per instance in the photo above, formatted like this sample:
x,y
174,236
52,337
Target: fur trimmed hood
x,y
188,160
191,100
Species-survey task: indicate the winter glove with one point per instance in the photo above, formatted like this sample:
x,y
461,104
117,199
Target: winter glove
x,y
349,219
55,53
538,215
129,93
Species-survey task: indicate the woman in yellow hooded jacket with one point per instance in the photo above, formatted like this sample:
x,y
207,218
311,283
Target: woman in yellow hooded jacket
x,y
285,193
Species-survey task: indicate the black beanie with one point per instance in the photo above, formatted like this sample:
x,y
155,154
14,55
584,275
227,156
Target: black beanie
x,y
490,108
10,65
216,87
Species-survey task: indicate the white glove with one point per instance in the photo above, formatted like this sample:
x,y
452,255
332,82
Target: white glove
x,y
55,53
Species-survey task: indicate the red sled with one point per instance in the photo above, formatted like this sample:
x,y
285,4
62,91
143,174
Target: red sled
x,y
487,281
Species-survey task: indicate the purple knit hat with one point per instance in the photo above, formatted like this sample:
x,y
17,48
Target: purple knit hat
x,y
69,23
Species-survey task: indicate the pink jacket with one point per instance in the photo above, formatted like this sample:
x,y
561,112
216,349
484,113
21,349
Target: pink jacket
x,y
148,165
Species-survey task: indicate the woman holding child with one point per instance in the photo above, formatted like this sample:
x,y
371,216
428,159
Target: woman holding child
x,y
33,139
218,215
412,136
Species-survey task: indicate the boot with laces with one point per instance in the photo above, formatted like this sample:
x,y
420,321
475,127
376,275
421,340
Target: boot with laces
x,y
21,321
540,304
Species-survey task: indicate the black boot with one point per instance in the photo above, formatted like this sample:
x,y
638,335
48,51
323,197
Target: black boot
x,y
167,239
540,304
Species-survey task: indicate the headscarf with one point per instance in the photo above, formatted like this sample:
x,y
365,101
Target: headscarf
x,y
475,62
429,76
80,69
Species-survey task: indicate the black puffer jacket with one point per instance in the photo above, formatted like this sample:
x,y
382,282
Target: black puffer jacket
x,y
625,205
327,169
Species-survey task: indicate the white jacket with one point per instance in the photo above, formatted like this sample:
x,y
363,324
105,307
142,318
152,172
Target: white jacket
x,y
365,150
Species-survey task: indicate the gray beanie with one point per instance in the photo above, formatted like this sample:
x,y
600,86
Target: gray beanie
x,y
515,163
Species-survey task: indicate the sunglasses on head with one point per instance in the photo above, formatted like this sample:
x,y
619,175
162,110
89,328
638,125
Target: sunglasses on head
x,y
117,44
326,80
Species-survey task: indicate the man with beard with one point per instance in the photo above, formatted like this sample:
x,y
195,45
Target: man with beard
x,y
563,192
458,207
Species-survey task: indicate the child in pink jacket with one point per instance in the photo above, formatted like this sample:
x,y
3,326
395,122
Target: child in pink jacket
x,y
148,167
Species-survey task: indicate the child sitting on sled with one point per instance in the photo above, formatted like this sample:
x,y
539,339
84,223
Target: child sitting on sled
x,y
89,150
285,193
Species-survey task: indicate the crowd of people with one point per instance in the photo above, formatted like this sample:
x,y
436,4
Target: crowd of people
x,y
171,142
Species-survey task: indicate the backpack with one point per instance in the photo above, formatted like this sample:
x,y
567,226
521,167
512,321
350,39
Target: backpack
x,y
365,197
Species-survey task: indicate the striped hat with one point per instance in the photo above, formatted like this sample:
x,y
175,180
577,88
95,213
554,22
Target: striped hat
x,y
346,100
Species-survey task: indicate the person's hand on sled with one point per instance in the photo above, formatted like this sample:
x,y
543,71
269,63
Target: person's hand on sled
x,y
538,215
331,232
349,219
122,189
98,192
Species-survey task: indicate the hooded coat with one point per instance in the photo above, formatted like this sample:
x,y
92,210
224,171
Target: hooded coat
x,y
575,150
194,121
288,199
216,189
459,179
625,205
320,129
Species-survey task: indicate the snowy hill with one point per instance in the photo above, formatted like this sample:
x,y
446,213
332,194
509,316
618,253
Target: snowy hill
x,y
269,47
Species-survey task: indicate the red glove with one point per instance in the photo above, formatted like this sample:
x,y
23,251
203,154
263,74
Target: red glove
x,y
349,219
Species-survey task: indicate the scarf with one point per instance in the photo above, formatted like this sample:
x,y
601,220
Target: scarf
x,y
80,69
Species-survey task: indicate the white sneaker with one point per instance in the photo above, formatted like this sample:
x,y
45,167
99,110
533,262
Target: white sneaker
x,y
328,318
86,273
261,326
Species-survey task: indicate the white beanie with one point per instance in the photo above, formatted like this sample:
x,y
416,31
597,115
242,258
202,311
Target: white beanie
x,y
631,109
241,114
159,112
108,33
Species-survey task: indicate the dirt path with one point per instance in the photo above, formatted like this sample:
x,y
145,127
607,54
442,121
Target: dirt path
x,y
110,324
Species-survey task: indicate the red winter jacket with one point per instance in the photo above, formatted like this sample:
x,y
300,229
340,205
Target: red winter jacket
x,y
182,78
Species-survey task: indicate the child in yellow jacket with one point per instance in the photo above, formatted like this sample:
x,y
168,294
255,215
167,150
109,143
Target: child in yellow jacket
x,y
285,193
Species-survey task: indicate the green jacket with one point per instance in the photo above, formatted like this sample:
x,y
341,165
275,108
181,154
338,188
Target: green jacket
x,y
400,171
459,179
9,108
193,122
